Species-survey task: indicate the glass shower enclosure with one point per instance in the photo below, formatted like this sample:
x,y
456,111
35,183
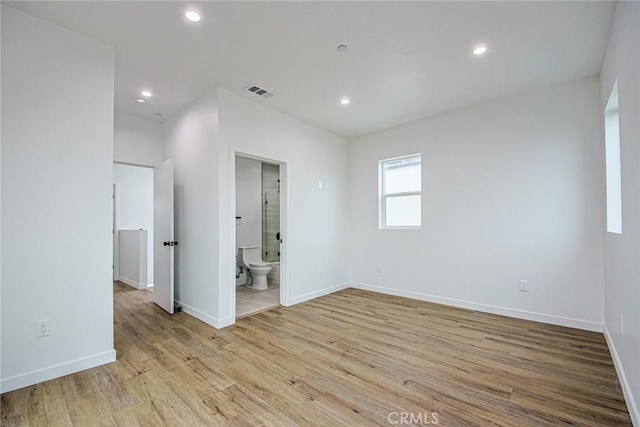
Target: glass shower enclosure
x,y
271,212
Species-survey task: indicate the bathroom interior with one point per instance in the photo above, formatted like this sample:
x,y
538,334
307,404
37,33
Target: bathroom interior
x,y
257,236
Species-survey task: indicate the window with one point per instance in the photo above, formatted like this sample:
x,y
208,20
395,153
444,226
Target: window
x,y
400,187
612,157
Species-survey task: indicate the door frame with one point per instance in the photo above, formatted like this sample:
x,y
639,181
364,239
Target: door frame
x,y
116,231
284,227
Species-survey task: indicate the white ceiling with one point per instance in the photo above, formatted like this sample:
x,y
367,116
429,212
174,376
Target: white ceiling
x,y
406,60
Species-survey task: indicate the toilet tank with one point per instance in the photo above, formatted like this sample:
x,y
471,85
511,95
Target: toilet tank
x,y
248,254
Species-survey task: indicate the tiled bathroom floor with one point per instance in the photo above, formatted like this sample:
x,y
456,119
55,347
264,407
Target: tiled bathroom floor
x,y
250,301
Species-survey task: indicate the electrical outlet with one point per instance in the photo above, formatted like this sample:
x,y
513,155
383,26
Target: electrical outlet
x,y
524,286
42,328
320,271
621,324
379,268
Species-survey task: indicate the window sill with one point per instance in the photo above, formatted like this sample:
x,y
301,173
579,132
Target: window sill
x,y
406,227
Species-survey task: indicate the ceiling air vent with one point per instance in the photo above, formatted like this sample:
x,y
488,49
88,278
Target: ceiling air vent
x,y
259,91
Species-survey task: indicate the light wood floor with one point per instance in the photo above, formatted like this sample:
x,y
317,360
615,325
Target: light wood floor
x,y
353,358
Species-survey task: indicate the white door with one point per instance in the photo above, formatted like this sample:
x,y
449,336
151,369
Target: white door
x,y
163,241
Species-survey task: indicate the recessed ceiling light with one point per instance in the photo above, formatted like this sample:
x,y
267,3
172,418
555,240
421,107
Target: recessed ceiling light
x,y
345,100
192,15
141,100
342,48
479,50
146,94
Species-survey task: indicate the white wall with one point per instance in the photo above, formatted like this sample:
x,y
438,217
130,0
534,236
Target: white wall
x,y
191,140
622,288
135,185
1,210
205,206
57,154
510,190
133,257
137,140
248,203
317,234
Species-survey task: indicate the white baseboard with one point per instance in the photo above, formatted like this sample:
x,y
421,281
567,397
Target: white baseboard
x,y
200,315
223,323
56,371
133,283
626,388
316,294
485,308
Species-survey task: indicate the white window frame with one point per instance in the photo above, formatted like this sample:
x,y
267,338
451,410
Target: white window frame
x,y
382,196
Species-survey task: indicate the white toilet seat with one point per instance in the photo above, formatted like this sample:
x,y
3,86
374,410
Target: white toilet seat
x,y
259,264
260,270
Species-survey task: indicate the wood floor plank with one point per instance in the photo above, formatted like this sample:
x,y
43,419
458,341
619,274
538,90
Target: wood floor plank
x,y
352,358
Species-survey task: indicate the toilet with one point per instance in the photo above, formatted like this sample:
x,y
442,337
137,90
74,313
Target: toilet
x,y
249,257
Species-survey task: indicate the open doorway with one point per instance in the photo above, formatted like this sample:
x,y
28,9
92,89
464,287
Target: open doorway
x,y
259,220
133,226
